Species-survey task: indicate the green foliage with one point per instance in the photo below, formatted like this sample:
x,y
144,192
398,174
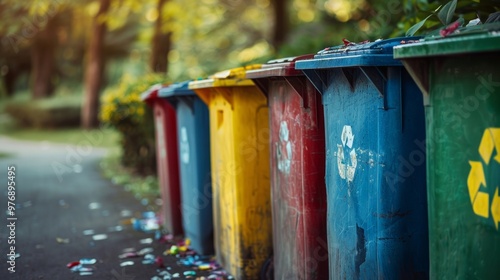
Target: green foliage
x,y
55,112
427,17
122,108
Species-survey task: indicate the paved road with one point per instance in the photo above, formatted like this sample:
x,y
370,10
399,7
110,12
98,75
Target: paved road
x,y
60,194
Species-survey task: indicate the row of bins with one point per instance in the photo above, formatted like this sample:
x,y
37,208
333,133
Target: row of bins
x,y
329,165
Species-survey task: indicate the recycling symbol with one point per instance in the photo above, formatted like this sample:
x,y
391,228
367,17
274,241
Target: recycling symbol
x,y
346,155
284,149
476,182
184,146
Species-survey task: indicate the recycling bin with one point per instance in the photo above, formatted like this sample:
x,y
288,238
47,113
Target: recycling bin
x,y
167,159
297,147
375,169
193,138
460,81
239,148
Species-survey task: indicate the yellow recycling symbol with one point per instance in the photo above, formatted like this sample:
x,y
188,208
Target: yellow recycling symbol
x,y
481,200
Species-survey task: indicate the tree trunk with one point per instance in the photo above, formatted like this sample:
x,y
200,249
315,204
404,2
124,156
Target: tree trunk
x,y
280,27
94,71
43,60
161,44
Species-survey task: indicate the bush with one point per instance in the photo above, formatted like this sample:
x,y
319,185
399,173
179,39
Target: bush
x,y
55,112
122,108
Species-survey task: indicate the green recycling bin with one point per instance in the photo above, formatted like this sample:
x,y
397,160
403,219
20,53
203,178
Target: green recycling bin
x,y
460,78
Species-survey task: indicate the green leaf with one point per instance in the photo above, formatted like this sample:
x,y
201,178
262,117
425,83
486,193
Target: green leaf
x,y
445,15
416,27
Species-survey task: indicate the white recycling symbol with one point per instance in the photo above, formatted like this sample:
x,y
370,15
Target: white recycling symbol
x,y
284,149
184,146
347,165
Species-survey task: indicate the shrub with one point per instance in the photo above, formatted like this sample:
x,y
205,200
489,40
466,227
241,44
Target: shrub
x,y
54,112
122,108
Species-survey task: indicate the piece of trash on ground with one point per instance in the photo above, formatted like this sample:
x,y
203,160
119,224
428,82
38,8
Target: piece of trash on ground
x,y
127,263
88,232
94,205
98,237
62,240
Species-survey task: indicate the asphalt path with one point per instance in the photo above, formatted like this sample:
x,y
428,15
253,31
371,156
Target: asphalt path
x,y
60,198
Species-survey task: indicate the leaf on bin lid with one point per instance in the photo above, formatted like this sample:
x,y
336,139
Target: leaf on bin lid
x,y
235,72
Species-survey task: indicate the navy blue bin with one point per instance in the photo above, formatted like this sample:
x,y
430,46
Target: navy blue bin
x,y
375,162
193,134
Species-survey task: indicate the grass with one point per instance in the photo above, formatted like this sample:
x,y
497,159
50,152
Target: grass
x,y
145,189
4,155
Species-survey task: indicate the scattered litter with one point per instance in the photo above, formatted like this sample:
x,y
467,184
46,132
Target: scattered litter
x,y
189,273
88,232
127,263
63,203
148,223
146,241
80,268
176,275
144,201
88,261
145,251
128,255
62,240
131,253
148,259
86,273
94,205
450,29
115,229
128,250
39,246
98,237
72,264
159,262
126,213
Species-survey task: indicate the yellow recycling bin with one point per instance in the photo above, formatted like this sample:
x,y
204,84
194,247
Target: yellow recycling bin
x,y
239,146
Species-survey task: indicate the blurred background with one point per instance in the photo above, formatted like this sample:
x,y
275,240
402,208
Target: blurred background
x,y
68,66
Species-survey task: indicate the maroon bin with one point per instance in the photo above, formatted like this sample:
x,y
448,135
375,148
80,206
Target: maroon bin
x,y
167,158
297,170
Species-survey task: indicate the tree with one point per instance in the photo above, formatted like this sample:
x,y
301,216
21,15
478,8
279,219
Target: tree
x,y
280,27
43,50
161,43
94,71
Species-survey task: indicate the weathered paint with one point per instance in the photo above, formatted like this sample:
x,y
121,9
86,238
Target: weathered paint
x,y
461,80
167,165
297,172
239,144
377,222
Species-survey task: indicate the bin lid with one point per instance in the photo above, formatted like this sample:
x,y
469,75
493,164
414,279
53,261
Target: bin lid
x,y
475,39
278,67
227,78
151,93
377,53
177,89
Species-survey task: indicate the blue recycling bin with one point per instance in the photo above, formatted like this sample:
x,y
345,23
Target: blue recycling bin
x,y
193,134
375,162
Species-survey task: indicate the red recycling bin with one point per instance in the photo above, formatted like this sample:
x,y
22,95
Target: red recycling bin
x,y
167,158
298,194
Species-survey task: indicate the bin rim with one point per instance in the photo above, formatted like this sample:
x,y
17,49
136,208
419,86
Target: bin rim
x,y
151,93
377,53
485,38
176,89
279,67
228,78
